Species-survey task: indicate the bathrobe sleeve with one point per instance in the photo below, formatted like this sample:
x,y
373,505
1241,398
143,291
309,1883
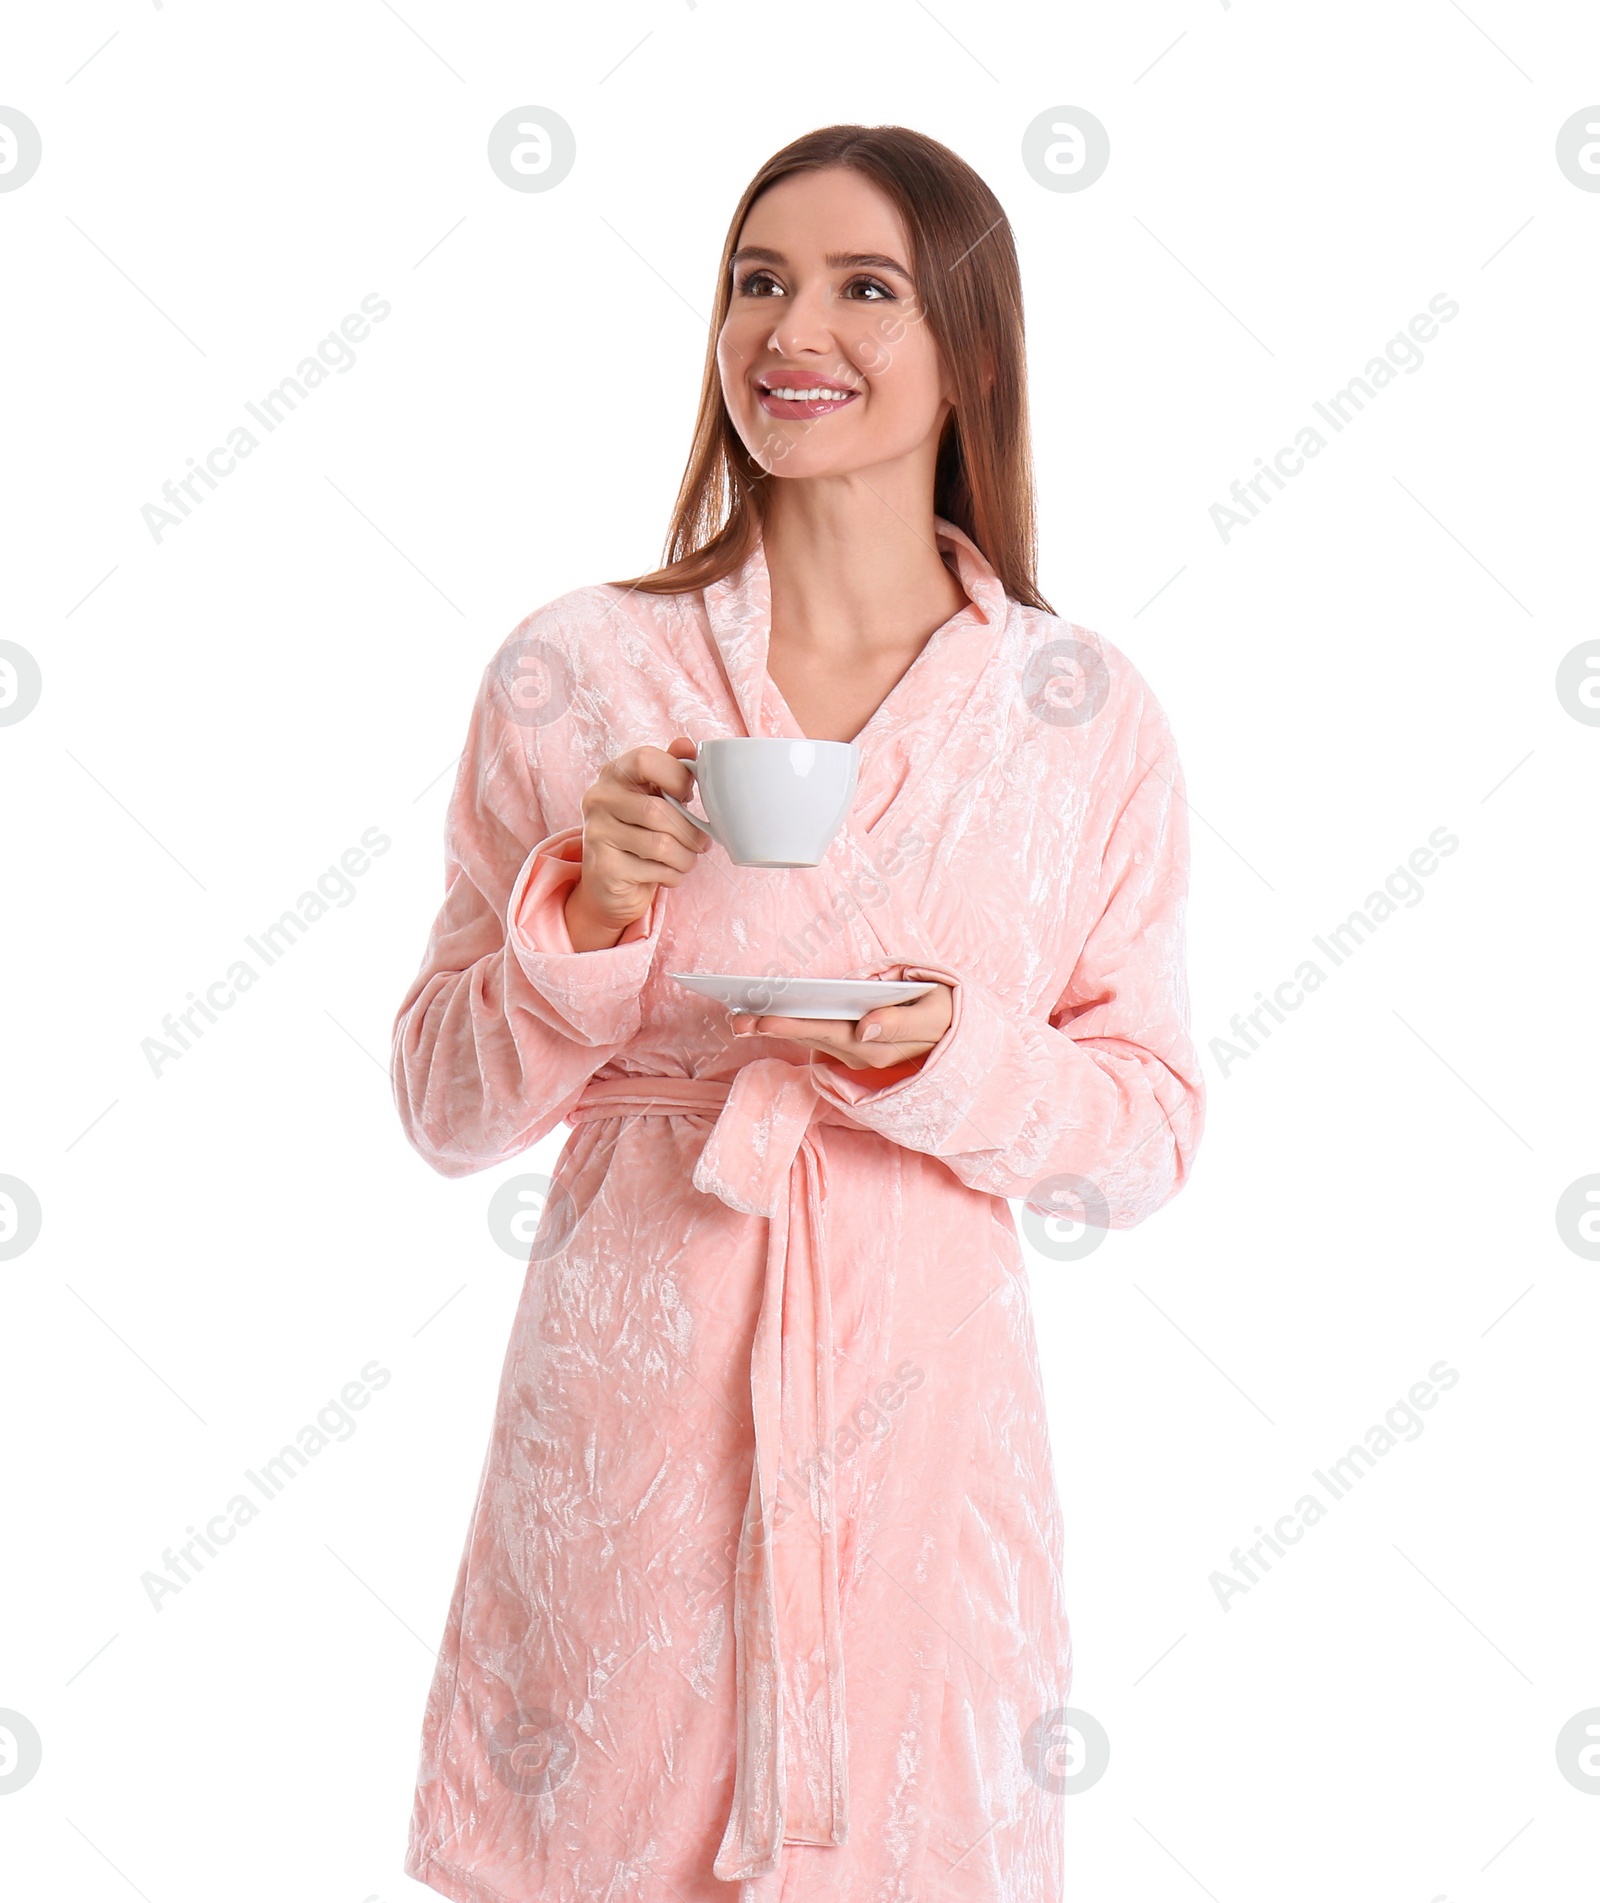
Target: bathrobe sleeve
x,y
1108,1088
505,1023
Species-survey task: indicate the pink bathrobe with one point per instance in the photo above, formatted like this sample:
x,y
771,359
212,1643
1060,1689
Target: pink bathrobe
x,y
762,1596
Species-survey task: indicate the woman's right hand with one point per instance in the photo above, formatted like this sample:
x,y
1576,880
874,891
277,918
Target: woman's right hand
x,y
633,841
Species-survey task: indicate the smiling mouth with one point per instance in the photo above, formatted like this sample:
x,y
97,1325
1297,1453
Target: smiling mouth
x,y
802,399
801,394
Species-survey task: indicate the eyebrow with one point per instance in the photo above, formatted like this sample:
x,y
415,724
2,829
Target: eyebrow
x,y
835,260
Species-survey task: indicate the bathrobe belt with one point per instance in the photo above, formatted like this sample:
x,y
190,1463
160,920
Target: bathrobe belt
x,y
791,1780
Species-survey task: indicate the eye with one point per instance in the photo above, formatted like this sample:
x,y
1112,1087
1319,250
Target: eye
x,y
876,286
756,284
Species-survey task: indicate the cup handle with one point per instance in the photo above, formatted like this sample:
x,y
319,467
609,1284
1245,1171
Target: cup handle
x,y
678,805
692,818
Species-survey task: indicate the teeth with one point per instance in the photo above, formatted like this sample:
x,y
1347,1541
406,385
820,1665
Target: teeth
x,y
812,396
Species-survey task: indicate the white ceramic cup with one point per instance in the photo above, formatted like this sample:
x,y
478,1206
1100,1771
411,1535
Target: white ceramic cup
x,y
772,802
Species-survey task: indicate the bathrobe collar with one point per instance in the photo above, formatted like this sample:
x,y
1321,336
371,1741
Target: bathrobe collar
x,y
738,610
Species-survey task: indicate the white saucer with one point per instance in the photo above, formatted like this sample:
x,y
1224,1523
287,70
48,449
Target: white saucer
x,y
800,997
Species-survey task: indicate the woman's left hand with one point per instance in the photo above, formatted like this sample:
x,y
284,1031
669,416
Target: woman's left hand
x,y
892,1034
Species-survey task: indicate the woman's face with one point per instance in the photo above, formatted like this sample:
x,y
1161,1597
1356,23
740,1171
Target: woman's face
x,y
824,308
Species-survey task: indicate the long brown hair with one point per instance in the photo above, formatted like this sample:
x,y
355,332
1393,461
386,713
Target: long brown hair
x,y
964,262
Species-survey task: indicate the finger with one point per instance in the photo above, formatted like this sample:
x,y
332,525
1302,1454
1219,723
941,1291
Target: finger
x,y
649,813
921,1020
646,847
653,767
893,1043
822,1034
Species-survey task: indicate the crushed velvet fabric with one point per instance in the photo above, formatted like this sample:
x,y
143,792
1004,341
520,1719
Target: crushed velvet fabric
x,y
761,1598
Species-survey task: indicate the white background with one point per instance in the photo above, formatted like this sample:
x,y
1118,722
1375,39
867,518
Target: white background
x,y
226,711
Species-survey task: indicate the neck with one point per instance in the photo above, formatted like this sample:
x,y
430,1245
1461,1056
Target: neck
x,y
854,561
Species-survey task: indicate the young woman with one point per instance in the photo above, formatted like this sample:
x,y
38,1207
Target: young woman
x,y
763,1586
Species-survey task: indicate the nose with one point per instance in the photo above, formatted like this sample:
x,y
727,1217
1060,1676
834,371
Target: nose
x,y
802,327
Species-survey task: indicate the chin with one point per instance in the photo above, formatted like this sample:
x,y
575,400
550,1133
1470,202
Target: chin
x,y
806,461
800,468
